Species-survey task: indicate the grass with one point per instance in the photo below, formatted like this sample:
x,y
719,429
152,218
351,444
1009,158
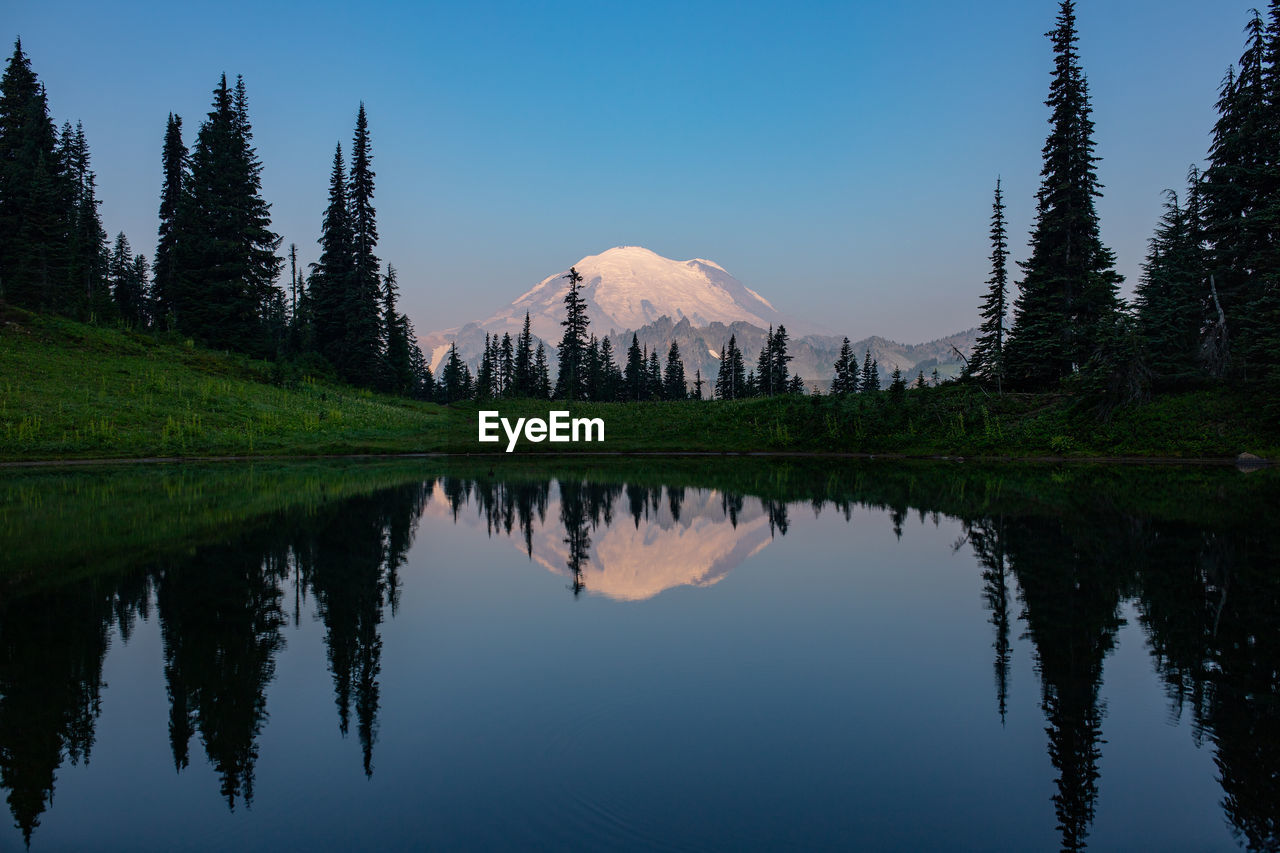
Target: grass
x,y
73,391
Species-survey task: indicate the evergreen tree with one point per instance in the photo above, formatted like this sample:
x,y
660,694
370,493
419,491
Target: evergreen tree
x,y
484,376
897,385
361,363
541,374
673,378
571,381
870,378
455,379
127,288
795,385
846,378
399,363
874,385
226,258
634,376
176,164
88,292
764,384
524,361
920,383
987,361
506,366
1172,297
654,389
778,366
1067,297
611,378
731,382
333,275
35,212
697,384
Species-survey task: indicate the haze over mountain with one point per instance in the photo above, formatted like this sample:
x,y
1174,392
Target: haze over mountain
x,y
697,303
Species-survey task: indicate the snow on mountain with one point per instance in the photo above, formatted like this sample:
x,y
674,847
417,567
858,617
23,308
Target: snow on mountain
x,y
627,287
695,303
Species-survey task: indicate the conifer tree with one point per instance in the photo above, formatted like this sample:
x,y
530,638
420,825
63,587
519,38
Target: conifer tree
x,y
610,377
484,375
697,384
333,275
846,371
634,376
226,257
795,384
920,383
88,291
361,361
524,361
506,366
1068,296
779,359
731,381
897,385
176,165
541,374
764,384
36,216
455,381
127,286
571,381
870,378
1172,297
673,378
987,361
654,389
875,376
399,363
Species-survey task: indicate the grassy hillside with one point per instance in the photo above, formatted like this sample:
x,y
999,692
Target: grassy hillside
x,y
71,391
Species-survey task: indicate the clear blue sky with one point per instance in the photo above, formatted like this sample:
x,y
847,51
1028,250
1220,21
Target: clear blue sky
x,y
838,158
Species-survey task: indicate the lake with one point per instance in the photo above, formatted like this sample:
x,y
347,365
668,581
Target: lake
x,y
644,654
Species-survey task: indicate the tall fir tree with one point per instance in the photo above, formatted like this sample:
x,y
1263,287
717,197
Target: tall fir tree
x,y
571,382
674,387
173,206
1172,298
88,293
1068,300
781,358
987,361
128,288
611,378
634,375
524,361
399,371
227,252
653,379
764,384
846,371
361,363
541,374
332,278
870,377
35,212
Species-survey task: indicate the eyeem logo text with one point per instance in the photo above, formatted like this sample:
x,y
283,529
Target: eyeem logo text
x,y
560,428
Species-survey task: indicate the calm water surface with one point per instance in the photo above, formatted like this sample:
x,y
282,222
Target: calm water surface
x,y
708,656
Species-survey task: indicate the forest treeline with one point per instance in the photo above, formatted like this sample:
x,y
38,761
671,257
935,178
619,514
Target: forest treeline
x,y
1206,310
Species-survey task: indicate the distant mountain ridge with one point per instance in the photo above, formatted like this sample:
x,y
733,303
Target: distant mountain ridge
x,y
697,304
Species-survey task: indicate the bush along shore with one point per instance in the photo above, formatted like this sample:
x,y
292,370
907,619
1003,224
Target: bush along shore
x,y
70,390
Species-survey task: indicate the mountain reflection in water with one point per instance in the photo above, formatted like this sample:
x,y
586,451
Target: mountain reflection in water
x,y
1058,561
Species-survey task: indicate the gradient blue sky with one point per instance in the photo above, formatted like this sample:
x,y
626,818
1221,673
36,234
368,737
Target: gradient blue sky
x,y
838,158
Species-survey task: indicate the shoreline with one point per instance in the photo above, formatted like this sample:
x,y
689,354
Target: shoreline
x,y
1206,461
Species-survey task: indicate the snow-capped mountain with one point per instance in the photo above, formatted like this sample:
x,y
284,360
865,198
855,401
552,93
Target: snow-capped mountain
x,y
625,288
695,303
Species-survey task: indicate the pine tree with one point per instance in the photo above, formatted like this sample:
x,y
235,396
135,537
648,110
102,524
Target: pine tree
x,y
611,378
1172,297
846,378
176,164
541,374
732,380
870,378
897,385
780,357
920,383
987,361
36,216
764,384
484,375
673,378
332,278
571,381
361,362
88,291
697,384
399,364
455,380
226,251
127,287
591,367
795,384
524,361
634,376
1067,297
654,389
875,376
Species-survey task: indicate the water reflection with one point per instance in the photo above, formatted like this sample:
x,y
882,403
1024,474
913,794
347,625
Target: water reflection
x,y
1053,568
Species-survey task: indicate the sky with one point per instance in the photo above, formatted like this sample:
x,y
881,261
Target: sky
x,y
838,158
